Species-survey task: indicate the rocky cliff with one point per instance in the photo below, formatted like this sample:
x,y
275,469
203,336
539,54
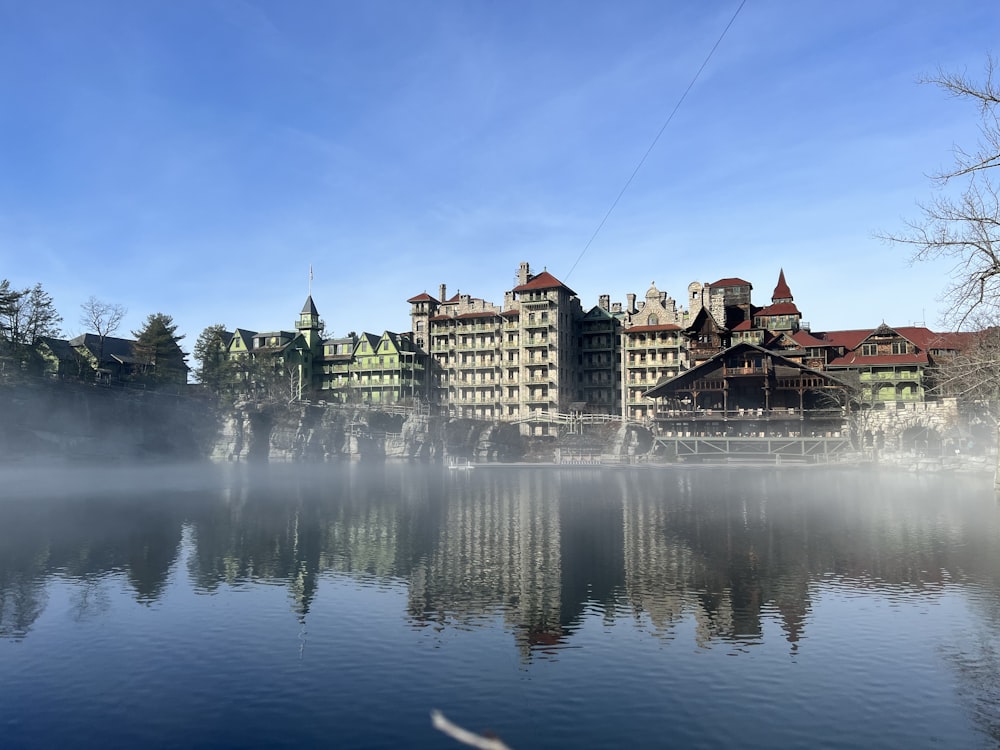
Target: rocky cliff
x,y
304,432
53,420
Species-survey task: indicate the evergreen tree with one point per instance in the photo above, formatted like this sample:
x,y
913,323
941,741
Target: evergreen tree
x,y
42,319
26,316
210,352
157,349
10,304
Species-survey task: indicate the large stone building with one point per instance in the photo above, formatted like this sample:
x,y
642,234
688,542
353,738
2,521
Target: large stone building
x,y
515,363
539,358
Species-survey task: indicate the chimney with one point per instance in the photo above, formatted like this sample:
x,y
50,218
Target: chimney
x,y
523,273
442,291
630,298
604,301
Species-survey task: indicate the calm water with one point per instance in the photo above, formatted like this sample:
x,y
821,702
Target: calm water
x,y
224,607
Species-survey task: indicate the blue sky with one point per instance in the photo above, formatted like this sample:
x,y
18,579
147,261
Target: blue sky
x,y
194,157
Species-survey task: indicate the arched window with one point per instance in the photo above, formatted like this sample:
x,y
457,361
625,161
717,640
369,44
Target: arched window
x,y
652,320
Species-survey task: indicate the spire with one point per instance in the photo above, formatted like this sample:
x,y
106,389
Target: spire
x,y
781,292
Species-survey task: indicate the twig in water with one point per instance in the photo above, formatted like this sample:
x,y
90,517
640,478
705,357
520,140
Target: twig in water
x,y
464,735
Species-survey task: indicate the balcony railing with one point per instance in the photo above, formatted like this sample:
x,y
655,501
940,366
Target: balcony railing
x,y
746,415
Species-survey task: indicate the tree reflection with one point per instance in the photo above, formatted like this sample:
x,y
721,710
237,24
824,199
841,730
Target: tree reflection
x,y
542,550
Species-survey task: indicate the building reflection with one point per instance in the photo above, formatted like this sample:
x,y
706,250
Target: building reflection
x,y
539,551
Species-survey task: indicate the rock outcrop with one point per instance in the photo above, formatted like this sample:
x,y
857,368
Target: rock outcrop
x,y
317,433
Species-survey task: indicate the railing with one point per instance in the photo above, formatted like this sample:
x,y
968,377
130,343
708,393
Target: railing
x,y
745,414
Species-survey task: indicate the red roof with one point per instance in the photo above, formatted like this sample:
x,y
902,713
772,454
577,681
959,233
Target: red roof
x,y
778,308
957,340
781,291
853,359
423,297
511,313
744,326
478,314
847,339
731,282
805,338
646,329
544,280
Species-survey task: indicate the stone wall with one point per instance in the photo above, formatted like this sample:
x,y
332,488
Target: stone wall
x,y
940,419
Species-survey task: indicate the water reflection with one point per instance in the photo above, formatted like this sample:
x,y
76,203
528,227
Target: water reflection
x,y
538,549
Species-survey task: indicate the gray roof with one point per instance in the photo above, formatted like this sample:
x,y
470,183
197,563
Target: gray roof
x,y
309,307
115,349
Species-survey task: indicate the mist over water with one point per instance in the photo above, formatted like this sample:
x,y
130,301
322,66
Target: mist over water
x,y
336,605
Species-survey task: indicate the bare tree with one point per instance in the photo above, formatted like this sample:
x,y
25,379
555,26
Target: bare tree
x,y
973,377
963,227
103,318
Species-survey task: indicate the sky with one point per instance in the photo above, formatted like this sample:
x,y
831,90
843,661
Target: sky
x,y
197,157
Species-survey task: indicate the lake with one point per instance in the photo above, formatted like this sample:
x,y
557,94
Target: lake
x,y
336,606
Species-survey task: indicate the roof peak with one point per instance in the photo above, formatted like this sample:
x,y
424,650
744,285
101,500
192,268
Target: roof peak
x,y
309,308
781,291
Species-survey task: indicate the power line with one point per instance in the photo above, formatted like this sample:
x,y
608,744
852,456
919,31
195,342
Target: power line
x,y
652,145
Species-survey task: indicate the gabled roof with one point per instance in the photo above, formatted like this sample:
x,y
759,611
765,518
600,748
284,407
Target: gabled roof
x,y
783,340
733,281
846,339
597,312
704,314
544,280
371,338
244,334
390,337
713,362
115,349
423,297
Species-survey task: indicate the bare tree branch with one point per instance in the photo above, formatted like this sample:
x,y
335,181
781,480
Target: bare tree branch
x,y
986,95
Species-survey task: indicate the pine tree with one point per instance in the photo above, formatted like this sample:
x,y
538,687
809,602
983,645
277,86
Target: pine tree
x,y
158,352
210,352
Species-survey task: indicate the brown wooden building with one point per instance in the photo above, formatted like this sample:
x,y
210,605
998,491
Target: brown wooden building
x,y
749,391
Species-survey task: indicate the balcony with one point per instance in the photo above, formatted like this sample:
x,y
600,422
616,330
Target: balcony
x,y
743,415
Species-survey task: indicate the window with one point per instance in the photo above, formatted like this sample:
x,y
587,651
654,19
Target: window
x,y
899,347
869,350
